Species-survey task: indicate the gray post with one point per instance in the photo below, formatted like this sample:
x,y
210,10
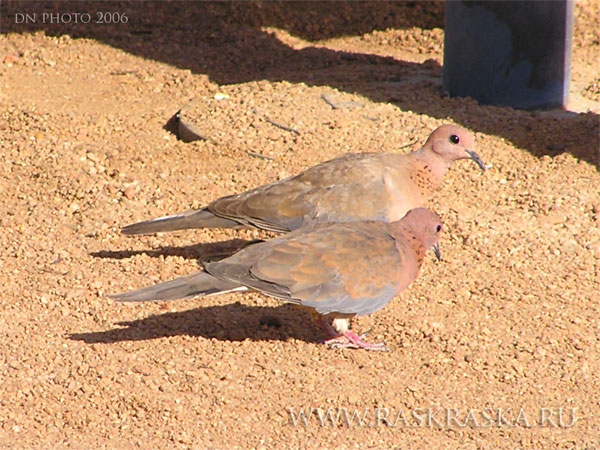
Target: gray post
x,y
514,53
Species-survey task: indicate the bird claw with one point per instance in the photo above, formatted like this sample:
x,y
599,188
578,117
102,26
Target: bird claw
x,y
351,340
340,342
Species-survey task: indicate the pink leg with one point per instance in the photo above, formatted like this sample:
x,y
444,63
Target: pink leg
x,y
328,328
349,339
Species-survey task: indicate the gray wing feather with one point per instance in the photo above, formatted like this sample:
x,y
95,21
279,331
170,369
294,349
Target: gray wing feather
x,y
291,268
198,284
202,218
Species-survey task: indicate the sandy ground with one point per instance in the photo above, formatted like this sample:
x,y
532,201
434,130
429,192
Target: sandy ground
x,y
496,346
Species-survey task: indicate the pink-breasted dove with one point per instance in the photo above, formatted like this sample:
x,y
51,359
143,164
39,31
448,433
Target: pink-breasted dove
x,y
352,187
337,270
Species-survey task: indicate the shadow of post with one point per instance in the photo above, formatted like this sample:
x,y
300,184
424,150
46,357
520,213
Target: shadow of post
x,y
227,42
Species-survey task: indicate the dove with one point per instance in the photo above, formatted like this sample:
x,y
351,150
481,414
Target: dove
x,y
352,187
336,270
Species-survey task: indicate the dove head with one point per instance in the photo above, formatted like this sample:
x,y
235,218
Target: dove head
x,y
426,226
450,143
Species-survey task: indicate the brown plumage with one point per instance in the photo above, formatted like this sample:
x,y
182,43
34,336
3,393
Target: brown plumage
x,y
338,270
352,187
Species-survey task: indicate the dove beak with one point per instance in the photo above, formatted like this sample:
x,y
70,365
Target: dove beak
x,y
436,251
475,157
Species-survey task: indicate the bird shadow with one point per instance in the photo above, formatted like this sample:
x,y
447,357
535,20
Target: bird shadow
x,y
210,251
230,43
232,322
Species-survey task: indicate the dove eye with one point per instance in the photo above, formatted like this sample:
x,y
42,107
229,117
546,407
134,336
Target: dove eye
x,y
438,228
454,139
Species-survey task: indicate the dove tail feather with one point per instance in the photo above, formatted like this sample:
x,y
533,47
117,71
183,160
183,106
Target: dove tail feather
x,y
201,218
198,284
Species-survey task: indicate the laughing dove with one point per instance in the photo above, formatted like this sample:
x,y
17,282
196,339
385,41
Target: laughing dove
x,y
352,187
337,270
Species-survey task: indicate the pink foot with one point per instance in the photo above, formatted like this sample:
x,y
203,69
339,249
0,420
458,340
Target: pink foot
x,y
350,339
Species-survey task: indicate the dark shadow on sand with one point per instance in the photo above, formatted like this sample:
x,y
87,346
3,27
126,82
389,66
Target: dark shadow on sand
x,y
202,252
229,43
232,322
